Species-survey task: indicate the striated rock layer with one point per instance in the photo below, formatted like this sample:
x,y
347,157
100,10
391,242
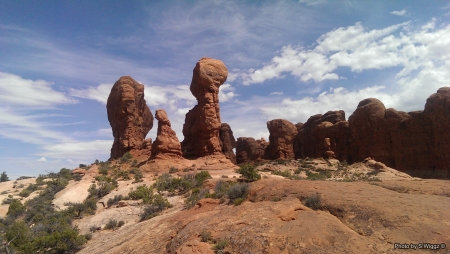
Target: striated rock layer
x,y
202,123
166,144
228,142
129,116
281,139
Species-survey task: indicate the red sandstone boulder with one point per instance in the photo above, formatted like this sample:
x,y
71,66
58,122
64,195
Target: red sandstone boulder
x,y
281,139
228,142
247,149
202,124
166,144
128,115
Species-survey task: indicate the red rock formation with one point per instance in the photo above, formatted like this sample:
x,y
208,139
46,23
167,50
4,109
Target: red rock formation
x,y
248,149
202,124
281,139
309,141
227,142
128,115
166,144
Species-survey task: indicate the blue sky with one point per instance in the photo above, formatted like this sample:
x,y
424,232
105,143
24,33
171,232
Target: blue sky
x,y
286,59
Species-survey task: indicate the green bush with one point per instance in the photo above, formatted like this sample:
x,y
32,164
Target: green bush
x,y
115,200
15,208
173,170
157,205
236,191
180,185
206,236
249,173
285,173
221,188
322,175
194,197
25,193
238,201
121,223
313,201
125,158
4,177
137,175
103,186
143,192
112,224
220,244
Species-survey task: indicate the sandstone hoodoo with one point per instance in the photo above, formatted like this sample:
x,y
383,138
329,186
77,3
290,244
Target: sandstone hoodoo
x,y
166,144
281,139
228,142
129,116
248,149
202,123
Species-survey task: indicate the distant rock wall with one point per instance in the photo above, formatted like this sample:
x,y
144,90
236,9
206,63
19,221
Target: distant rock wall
x,y
129,116
248,149
227,142
202,123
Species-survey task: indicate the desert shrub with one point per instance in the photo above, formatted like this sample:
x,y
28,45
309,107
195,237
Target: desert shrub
x,y
173,170
103,186
77,177
221,188
115,200
24,177
4,192
94,228
123,174
285,173
236,191
282,162
157,205
373,172
143,192
25,193
224,176
137,175
88,236
238,201
205,236
321,175
125,158
298,171
220,244
111,224
313,201
15,208
186,170
249,173
121,223
167,182
194,197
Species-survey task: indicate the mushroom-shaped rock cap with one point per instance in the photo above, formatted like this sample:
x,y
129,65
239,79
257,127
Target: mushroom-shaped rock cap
x,y
161,116
208,74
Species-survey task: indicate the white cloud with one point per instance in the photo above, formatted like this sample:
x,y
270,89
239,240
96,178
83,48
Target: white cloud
x,y
77,149
42,159
99,93
399,13
226,93
25,92
276,93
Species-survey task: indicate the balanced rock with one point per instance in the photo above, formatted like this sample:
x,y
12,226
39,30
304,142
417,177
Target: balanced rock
x,y
228,142
129,116
166,144
281,139
248,149
202,123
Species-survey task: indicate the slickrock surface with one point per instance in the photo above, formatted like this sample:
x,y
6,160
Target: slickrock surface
x,y
202,123
281,139
228,142
129,116
166,145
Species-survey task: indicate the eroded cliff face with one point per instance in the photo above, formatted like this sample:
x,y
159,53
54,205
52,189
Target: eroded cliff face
x,y
202,123
129,116
248,149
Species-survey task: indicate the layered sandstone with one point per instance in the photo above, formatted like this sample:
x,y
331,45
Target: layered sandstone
x,y
166,144
281,139
202,123
129,116
227,142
